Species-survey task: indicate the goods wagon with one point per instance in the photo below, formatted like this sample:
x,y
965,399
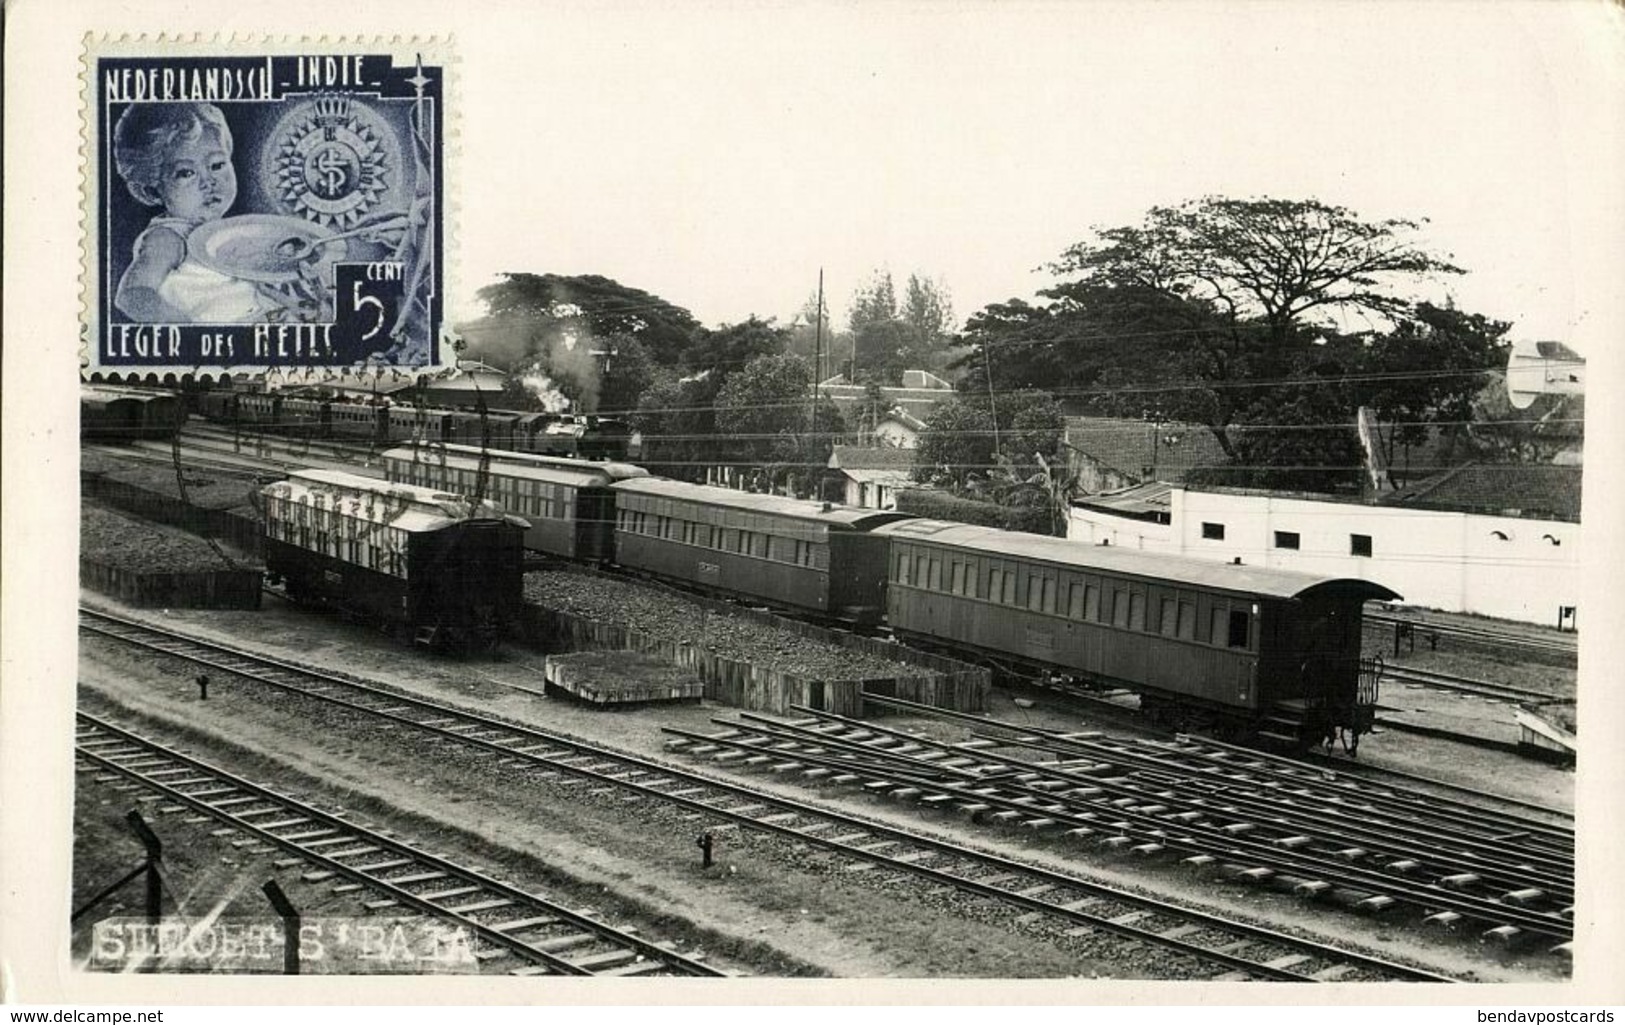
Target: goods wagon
x,y
1248,648
567,501
806,556
419,562
111,413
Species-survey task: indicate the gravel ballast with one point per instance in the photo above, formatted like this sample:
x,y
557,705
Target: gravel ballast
x,y
669,616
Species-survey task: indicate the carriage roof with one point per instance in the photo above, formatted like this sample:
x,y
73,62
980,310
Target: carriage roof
x,y
839,516
405,506
1183,570
558,469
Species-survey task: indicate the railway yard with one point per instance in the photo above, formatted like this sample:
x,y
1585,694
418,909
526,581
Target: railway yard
x,y
1051,836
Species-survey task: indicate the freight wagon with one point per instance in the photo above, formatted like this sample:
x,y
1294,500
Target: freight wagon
x,y
418,562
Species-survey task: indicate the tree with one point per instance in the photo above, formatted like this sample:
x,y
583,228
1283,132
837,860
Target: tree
x,y
606,306
628,372
554,334
888,339
732,347
678,422
872,302
956,445
928,310
965,444
1428,371
1268,260
1224,313
766,413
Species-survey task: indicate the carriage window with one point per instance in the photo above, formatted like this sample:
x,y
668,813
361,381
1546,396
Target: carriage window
x,y
1032,593
1091,603
1286,539
1213,532
1187,620
922,567
1009,587
1074,601
758,545
904,564
957,583
934,581
1360,544
1136,612
1049,595
1170,617
1120,608
995,584
1238,631
971,580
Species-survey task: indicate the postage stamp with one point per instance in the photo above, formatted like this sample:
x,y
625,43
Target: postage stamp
x,y
263,207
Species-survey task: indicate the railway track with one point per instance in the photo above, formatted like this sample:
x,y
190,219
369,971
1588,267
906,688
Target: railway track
x,y
1464,685
1207,944
514,931
1205,803
1507,638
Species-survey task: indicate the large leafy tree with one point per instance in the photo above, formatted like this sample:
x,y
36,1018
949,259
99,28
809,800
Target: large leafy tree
x,y
1226,313
603,305
1271,261
556,335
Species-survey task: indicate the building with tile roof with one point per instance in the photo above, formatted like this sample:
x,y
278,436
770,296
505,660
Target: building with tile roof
x,y
1109,454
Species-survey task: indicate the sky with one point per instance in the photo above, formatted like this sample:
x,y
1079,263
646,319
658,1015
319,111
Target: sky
x,y
719,156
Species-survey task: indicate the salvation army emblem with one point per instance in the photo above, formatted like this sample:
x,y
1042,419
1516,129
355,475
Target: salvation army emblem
x,y
331,161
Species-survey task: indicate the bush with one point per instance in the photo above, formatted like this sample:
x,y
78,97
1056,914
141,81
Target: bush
x,y
939,505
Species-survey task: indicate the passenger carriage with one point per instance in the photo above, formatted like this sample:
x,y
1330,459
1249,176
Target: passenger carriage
x,y
418,561
568,503
1270,651
801,555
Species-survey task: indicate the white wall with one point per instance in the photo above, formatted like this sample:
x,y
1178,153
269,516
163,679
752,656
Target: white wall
x,y
1443,560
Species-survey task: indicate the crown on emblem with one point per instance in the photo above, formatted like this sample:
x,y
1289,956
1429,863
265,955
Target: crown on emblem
x,y
332,111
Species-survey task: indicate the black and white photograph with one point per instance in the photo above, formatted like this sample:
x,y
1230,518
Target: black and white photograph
x,y
784,501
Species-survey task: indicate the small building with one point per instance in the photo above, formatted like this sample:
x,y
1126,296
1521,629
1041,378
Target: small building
x,y
870,477
1496,540
1109,453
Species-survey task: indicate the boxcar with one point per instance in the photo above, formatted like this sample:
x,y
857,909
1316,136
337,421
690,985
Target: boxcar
x,y
1265,650
568,502
806,556
417,561
111,413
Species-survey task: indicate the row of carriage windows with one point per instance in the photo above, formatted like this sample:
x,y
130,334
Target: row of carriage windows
x,y
1085,602
736,540
340,528
537,498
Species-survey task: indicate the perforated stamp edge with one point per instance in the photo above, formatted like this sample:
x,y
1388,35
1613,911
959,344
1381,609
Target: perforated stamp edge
x,y
430,50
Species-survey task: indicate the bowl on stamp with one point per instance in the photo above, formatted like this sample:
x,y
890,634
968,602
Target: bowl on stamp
x,y
267,248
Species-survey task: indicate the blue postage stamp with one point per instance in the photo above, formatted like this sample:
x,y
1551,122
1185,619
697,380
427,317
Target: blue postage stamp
x,y
264,209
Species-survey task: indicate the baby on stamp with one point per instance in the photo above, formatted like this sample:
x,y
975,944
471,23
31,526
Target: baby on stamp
x,y
177,156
